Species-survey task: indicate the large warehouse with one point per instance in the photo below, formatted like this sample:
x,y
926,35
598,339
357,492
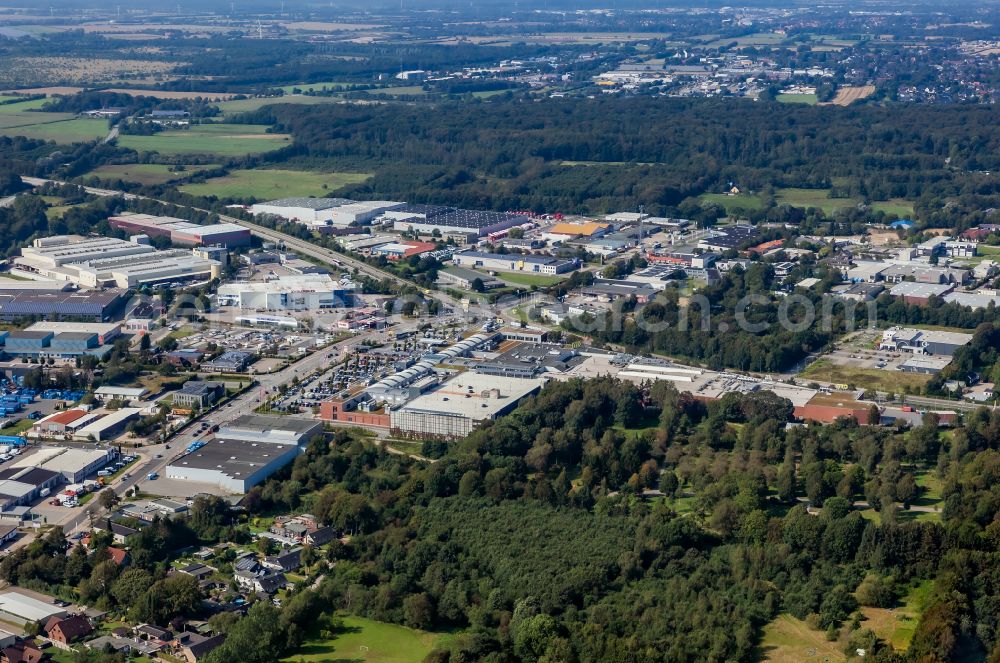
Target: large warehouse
x,y
61,305
287,293
456,407
184,232
424,220
514,262
246,452
326,211
106,262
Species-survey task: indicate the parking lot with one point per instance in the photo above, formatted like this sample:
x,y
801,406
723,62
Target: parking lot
x,y
859,350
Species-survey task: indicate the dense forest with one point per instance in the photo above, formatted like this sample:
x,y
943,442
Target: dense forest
x,y
531,538
516,153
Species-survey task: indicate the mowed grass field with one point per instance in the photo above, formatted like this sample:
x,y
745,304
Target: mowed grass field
x,y
367,641
824,370
733,203
820,199
541,280
144,173
810,99
271,184
221,139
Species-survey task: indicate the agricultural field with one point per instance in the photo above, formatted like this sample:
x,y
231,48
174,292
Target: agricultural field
x,y
317,87
63,131
147,174
271,184
809,99
367,641
820,199
220,139
234,106
849,94
85,71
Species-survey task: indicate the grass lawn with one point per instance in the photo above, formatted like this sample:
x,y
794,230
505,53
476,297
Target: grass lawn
x,y
33,104
317,87
20,427
368,641
824,370
809,99
221,139
541,280
732,203
144,173
819,198
271,184
63,131
790,640
897,206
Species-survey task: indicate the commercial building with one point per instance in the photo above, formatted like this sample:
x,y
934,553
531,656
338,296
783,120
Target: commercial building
x,y
179,231
234,361
198,394
402,250
921,341
109,426
729,238
457,406
22,609
288,293
561,232
106,262
926,364
828,407
919,293
62,305
974,300
55,424
514,263
111,392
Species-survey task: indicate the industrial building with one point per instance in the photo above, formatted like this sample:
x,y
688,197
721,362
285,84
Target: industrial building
x,y
728,238
40,344
75,465
288,293
245,452
514,263
465,278
19,608
236,466
457,406
919,293
109,426
61,305
921,341
179,231
425,219
106,332
326,211
233,361
106,262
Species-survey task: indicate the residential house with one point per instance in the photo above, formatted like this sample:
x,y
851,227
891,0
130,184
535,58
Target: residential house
x,y
320,537
119,556
198,571
65,630
194,647
21,652
285,561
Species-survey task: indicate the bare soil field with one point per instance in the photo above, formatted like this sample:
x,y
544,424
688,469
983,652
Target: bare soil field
x,y
322,26
20,70
172,94
848,95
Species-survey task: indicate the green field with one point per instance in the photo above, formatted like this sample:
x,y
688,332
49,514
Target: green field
x,y
62,130
520,278
733,203
144,173
818,198
897,206
824,370
790,640
245,105
33,104
810,99
221,139
271,184
897,626
367,641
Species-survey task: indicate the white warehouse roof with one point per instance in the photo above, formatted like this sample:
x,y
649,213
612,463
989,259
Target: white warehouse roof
x,y
27,607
